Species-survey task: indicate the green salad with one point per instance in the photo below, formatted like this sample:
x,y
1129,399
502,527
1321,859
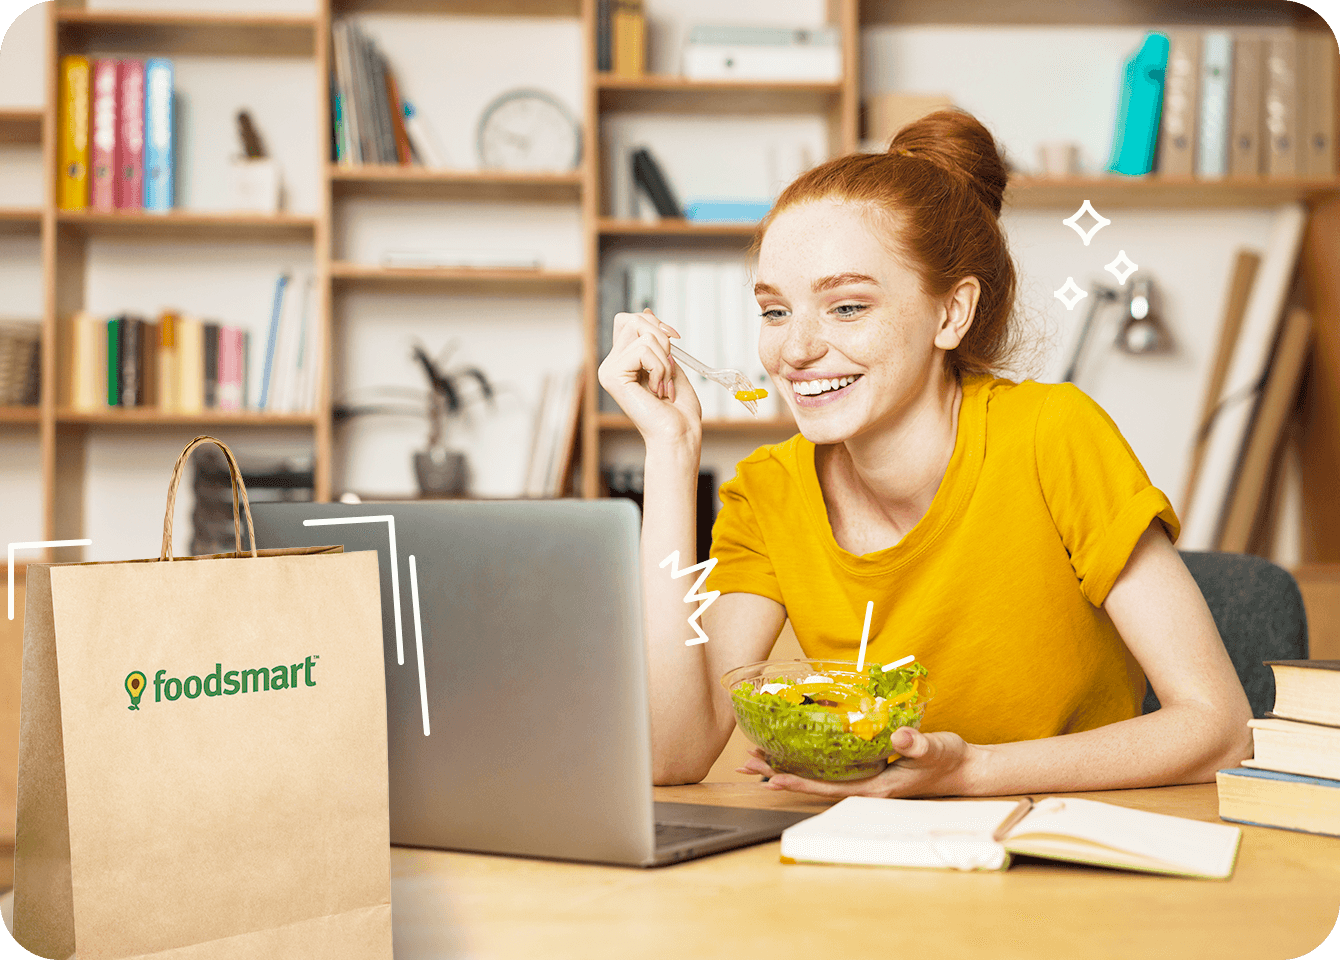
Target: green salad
x,y
831,727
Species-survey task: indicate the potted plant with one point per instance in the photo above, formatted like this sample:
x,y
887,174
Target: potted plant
x,y
441,471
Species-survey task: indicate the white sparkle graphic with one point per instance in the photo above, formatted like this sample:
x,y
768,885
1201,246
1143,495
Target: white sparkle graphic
x,y
1070,294
1073,221
693,594
1121,267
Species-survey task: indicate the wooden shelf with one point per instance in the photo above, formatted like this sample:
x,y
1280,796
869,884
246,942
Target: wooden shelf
x,y
487,8
674,228
1215,14
384,180
150,416
21,125
190,224
465,279
617,422
166,34
1026,193
670,92
20,414
20,219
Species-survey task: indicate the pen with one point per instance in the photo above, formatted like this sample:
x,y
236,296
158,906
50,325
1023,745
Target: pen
x,y
1017,814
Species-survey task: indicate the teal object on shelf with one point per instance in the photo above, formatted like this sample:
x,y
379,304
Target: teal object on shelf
x,y
1137,130
727,211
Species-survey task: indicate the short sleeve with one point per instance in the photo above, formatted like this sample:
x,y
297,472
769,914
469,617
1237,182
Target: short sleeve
x,y
1099,495
743,562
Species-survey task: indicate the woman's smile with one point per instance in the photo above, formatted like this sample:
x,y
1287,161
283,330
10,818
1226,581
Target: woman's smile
x,y
816,391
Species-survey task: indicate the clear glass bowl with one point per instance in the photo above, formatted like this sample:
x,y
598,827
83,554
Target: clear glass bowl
x,y
815,742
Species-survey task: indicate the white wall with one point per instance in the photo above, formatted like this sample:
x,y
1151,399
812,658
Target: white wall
x,y
1026,84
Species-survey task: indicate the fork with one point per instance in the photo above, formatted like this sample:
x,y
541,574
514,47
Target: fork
x,y
732,380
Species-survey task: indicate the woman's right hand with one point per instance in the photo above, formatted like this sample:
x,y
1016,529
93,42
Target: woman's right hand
x,y
647,384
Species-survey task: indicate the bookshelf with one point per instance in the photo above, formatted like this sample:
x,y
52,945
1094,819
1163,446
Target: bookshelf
x,y
65,236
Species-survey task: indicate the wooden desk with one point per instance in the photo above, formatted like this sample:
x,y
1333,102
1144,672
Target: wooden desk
x,y
1282,900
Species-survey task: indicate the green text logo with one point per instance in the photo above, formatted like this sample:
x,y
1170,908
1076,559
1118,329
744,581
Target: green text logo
x,y
224,683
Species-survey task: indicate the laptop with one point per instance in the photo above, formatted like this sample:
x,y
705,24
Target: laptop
x,y
516,679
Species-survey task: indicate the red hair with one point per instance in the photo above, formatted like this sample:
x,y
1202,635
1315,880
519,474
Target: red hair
x,y
939,187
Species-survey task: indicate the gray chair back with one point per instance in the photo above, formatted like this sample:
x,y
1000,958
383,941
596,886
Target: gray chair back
x,y
1259,612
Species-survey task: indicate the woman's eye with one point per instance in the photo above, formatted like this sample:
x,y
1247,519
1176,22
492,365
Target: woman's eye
x,y
775,313
848,309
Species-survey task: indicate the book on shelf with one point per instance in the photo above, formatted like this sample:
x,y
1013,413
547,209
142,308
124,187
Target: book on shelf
x,y
159,135
130,136
1293,779
1137,128
961,835
1212,114
1248,102
763,53
20,362
425,149
647,174
1177,118
297,353
604,40
106,99
72,133
713,307
628,38
368,109
555,433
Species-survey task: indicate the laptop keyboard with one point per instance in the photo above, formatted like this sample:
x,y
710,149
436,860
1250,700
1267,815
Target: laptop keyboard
x,y
669,834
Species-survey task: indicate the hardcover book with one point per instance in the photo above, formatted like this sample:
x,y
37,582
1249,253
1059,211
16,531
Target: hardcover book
x,y
1272,798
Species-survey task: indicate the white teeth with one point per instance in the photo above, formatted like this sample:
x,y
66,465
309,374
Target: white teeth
x,y
810,388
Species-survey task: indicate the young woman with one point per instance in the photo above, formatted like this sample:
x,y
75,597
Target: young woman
x,y
1007,534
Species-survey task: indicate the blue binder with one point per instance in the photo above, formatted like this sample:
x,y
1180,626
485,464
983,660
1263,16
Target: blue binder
x,y
159,135
1137,132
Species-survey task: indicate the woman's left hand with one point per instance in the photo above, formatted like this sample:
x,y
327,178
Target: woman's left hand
x,y
931,764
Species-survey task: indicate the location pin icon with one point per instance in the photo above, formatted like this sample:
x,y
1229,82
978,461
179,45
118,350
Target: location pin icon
x,y
135,682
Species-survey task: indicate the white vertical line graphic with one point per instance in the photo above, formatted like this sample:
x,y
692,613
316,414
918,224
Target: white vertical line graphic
x,y
35,545
395,571
418,640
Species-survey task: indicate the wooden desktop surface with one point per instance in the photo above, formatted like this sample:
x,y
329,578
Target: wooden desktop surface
x,y
1281,902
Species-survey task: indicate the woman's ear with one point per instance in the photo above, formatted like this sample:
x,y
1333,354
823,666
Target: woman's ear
x,y
960,307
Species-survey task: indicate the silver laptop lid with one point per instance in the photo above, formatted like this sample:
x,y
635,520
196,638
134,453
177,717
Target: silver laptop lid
x,y
526,730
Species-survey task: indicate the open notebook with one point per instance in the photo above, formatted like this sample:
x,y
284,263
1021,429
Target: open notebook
x,y
957,835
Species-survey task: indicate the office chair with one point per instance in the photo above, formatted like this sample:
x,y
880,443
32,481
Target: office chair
x,y
1259,612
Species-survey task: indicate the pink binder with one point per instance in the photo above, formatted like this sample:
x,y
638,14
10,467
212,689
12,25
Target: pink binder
x,y
102,153
130,144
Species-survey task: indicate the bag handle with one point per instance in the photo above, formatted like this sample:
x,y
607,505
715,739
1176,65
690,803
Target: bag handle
x,y
234,474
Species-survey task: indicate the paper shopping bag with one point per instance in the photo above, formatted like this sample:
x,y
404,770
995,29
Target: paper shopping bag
x,y
202,756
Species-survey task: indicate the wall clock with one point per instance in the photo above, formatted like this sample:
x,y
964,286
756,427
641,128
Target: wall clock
x,y
529,130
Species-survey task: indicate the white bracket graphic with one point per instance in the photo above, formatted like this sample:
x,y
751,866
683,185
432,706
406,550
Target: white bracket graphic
x,y
693,594
395,564
418,640
35,545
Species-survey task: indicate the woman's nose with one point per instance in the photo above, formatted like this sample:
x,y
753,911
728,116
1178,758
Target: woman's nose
x,y
803,343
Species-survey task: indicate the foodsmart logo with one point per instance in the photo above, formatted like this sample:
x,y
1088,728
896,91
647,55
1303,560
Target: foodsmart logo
x,y
222,683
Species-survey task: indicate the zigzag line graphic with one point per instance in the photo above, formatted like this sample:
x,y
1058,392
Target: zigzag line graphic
x,y
707,598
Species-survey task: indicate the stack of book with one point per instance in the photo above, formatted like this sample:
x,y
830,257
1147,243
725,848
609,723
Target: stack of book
x,y
713,307
1293,781
371,122
20,363
621,37
1251,102
554,439
116,128
183,364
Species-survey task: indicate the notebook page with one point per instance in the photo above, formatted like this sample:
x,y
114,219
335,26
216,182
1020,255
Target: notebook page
x,y
1197,846
910,833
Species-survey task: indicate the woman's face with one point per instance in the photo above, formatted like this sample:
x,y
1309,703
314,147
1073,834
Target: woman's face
x,y
848,337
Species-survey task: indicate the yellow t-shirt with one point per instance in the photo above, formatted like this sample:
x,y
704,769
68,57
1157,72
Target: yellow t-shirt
x,y
997,590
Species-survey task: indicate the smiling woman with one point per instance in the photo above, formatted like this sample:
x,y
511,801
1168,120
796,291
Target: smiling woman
x,y
1004,531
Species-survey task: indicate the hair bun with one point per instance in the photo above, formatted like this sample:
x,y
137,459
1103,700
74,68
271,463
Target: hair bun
x,y
958,143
